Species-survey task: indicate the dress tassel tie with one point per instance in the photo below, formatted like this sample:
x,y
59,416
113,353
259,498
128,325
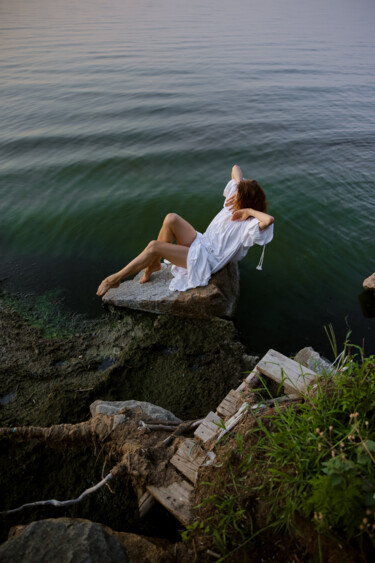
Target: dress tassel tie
x,y
259,267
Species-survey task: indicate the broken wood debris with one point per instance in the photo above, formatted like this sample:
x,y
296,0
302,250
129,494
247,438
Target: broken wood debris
x,y
229,404
188,458
176,498
145,503
209,427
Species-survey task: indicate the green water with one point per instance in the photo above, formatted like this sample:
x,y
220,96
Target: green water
x,y
115,113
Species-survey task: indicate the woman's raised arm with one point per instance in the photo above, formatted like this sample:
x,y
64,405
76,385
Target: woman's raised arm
x,y
237,173
264,219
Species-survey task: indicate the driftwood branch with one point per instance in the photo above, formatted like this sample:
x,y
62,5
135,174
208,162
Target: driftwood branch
x,y
53,502
181,429
53,434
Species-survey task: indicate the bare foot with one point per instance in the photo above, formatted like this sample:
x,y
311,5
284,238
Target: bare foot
x,y
148,271
107,284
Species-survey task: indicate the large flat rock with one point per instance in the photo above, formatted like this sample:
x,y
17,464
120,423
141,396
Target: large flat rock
x,y
218,298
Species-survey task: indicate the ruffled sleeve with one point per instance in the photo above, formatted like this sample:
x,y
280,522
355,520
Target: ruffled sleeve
x,y
230,188
252,235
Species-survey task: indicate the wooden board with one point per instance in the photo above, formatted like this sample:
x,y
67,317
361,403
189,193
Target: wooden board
x,y
188,459
176,498
252,377
294,376
145,503
250,381
229,404
208,428
233,420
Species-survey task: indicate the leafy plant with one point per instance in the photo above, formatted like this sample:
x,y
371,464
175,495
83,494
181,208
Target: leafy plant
x,y
315,459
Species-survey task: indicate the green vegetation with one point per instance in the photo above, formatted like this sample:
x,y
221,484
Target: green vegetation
x,y
311,462
45,312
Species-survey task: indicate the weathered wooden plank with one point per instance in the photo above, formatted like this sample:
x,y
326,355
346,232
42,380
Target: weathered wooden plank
x,y
145,503
188,459
229,404
252,377
250,381
208,428
233,421
176,498
294,376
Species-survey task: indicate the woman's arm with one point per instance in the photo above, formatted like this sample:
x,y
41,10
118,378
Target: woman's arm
x,y
237,173
264,219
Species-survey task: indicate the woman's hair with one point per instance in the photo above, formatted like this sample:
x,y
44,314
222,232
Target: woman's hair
x,y
250,194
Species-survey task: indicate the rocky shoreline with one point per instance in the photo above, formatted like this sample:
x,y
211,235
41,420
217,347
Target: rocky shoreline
x,y
53,447
185,365
181,364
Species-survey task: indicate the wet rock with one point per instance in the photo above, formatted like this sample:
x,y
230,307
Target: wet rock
x,y
76,541
218,298
311,359
367,302
369,283
250,361
151,411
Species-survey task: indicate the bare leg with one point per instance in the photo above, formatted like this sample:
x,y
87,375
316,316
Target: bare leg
x,y
174,228
155,250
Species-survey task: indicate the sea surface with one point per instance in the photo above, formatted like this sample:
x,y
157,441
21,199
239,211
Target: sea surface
x,y
114,113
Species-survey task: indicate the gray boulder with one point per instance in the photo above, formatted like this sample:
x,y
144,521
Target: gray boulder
x,y
152,412
311,359
62,540
218,298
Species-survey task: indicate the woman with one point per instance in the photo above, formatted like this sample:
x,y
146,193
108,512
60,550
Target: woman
x,y
240,224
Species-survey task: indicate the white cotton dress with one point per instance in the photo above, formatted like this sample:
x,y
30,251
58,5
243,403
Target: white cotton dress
x,y
224,241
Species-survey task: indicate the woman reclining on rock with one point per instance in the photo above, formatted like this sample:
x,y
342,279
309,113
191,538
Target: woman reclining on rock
x,y
239,225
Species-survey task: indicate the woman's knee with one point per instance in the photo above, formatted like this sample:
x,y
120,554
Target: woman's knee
x,y
171,219
153,247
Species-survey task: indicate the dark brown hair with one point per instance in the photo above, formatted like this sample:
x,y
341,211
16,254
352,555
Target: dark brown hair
x,y
250,194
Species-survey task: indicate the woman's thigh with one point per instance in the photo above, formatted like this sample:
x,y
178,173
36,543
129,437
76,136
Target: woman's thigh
x,y
175,253
184,233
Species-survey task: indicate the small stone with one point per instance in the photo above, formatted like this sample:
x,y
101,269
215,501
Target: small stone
x,y
218,298
311,359
369,283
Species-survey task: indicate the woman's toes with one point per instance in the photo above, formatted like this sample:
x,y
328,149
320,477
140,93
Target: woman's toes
x,y
146,276
105,286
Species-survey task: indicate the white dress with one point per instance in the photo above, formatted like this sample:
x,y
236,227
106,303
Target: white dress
x,y
224,241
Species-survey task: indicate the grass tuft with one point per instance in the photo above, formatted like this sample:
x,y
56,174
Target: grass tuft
x,y
314,460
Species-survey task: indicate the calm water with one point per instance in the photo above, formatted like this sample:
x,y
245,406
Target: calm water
x,y
114,113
